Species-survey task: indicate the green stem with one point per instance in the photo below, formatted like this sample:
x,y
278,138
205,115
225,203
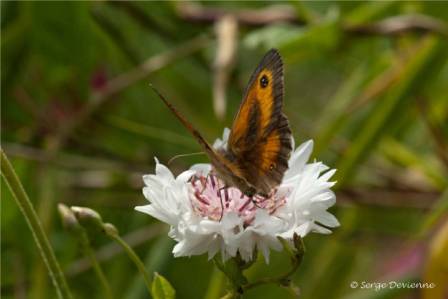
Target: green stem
x,y
234,267
96,266
215,284
132,255
281,279
296,254
42,242
230,295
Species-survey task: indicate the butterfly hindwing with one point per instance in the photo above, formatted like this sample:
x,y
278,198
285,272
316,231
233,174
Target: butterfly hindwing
x,y
260,138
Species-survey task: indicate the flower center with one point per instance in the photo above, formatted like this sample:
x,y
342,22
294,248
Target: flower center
x,y
212,199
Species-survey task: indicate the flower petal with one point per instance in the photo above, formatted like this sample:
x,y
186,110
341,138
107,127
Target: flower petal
x,y
201,168
298,159
162,171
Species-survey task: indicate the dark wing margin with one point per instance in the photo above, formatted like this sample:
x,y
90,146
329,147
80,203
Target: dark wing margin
x,y
273,63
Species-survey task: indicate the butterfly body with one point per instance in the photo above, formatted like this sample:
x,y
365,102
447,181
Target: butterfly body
x,y
259,145
230,173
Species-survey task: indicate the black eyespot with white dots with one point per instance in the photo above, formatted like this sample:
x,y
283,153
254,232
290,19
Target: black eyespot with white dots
x,y
264,81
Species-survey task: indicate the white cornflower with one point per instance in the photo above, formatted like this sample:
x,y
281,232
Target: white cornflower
x,y
205,218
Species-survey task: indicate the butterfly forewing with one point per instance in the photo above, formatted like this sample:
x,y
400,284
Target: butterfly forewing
x,y
260,138
259,144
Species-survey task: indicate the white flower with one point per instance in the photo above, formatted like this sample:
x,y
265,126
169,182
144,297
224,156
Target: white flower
x,y
204,218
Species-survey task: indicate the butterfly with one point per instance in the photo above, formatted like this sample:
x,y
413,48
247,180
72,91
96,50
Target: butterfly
x,y
259,144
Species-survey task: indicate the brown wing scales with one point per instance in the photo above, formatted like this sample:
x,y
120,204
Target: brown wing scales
x,y
259,144
264,165
260,139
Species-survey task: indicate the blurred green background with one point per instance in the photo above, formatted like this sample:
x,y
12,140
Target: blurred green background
x,y
367,81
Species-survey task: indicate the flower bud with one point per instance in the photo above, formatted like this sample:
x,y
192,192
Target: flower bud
x,y
69,220
88,217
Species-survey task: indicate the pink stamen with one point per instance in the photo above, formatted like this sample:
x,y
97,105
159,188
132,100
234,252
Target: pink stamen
x,y
209,199
248,201
200,197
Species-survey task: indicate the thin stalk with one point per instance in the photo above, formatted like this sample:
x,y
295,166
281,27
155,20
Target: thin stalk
x,y
296,254
281,279
42,242
234,267
132,255
230,295
157,258
72,224
215,284
96,266
48,188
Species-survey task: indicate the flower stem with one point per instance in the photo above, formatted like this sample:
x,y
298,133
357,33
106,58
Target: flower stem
x,y
231,295
215,285
42,242
235,266
72,224
96,266
283,279
233,269
296,256
131,253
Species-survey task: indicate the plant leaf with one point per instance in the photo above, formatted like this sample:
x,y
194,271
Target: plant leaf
x,y
161,288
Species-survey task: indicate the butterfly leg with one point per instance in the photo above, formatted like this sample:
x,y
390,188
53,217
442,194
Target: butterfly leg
x,y
220,195
222,206
223,188
255,202
204,182
226,199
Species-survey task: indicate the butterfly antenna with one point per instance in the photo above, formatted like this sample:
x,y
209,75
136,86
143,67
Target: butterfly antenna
x,y
173,109
184,155
187,125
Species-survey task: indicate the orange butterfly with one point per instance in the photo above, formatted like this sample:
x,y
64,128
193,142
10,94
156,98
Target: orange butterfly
x,y
259,144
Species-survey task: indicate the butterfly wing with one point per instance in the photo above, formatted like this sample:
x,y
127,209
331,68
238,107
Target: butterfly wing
x,y
260,138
